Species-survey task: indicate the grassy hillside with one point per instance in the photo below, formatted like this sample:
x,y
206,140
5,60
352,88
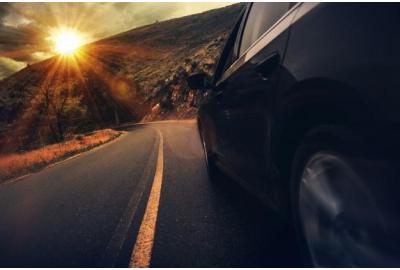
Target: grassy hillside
x,y
138,75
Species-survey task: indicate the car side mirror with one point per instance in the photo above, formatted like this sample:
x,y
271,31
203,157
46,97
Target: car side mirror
x,y
199,81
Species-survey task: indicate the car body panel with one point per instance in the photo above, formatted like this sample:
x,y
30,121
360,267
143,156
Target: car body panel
x,y
329,59
358,49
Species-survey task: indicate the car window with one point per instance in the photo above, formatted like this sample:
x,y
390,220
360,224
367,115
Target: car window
x,y
230,51
234,49
229,59
261,17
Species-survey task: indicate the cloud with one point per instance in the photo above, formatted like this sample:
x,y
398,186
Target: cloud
x,y
19,37
3,10
20,42
9,66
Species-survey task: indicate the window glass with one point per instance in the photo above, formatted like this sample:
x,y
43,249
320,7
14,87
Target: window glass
x,y
229,54
261,17
229,59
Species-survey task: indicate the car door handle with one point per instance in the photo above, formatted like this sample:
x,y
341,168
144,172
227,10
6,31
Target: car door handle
x,y
268,65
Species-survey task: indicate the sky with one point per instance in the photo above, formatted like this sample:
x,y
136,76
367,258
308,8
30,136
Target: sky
x,y
26,29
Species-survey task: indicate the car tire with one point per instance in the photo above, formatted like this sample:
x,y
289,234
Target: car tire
x,y
335,211
209,156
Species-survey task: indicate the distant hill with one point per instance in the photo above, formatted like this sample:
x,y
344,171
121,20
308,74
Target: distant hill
x,y
138,75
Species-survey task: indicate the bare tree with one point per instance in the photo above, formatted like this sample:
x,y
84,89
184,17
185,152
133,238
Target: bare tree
x,y
54,101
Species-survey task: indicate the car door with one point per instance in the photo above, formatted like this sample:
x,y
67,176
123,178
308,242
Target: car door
x,y
248,89
211,113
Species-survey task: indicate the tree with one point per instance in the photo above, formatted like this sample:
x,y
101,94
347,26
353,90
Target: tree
x,y
55,103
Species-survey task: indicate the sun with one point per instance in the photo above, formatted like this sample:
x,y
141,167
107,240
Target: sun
x,y
67,41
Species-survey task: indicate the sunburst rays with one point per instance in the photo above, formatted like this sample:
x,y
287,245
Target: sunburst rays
x,y
88,72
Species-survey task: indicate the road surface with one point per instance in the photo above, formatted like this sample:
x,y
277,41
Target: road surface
x,y
143,198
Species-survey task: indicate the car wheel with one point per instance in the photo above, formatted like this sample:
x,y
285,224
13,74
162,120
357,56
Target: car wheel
x,y
209,157
338,219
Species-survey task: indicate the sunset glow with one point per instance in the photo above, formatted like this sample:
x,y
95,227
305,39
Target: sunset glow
x,y
32,32
67,41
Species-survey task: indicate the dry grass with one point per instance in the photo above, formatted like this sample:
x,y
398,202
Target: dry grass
x,y
12,165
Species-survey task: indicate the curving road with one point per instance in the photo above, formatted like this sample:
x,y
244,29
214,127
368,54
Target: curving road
x,y
142,200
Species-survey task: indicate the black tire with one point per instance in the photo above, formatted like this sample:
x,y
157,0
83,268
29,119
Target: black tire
x,y
337,214
209,156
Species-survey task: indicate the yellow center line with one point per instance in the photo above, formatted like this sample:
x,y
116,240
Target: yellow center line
x,y
141,255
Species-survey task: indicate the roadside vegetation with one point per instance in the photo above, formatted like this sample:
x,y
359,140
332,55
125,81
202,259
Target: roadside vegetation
x,y
17,164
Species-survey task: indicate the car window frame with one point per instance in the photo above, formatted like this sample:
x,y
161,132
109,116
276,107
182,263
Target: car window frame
x,y
240,60
239,36
230,45
267,30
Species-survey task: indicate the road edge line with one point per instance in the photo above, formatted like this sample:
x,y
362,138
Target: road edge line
x,y
50,165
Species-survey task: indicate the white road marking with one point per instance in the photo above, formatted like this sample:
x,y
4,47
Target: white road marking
x,y
141,255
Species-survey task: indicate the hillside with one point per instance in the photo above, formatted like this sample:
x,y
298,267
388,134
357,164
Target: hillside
x,y
138,75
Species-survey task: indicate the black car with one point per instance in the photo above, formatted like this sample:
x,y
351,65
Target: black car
x,y
304,111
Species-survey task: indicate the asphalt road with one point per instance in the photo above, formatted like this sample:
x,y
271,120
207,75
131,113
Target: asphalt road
x,y
89,210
